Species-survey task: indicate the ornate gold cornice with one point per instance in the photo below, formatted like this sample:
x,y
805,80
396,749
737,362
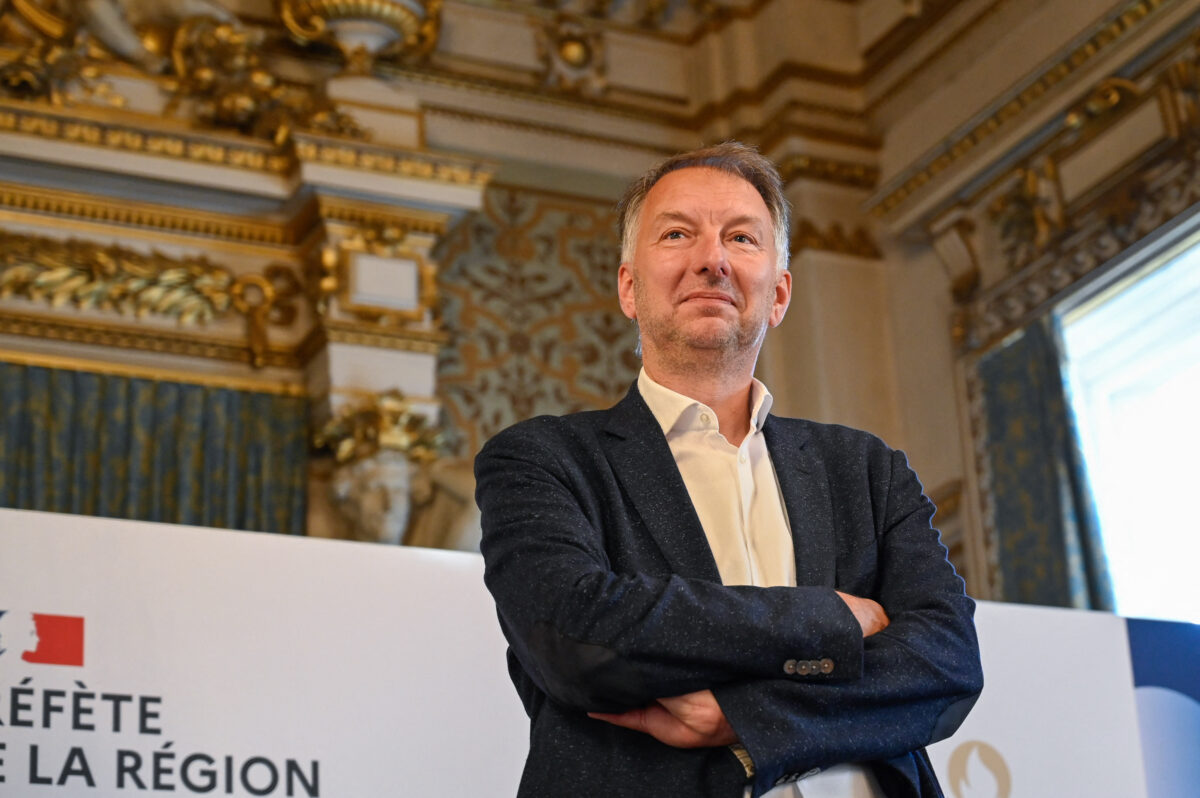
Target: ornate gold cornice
x,y
157,137
828,170
222,381
713,17
1116,28
1110,224
372,214
366,334
130,213
391,161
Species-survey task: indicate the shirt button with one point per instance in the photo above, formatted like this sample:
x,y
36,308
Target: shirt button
x,y
704,417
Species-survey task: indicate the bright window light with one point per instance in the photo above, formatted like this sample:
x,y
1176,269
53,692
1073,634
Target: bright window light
x,y
1133,367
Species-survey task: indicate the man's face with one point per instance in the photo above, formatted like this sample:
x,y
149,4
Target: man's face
x,y
704,274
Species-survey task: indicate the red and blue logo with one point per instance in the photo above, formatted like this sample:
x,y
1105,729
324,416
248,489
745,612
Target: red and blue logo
x,y
40,638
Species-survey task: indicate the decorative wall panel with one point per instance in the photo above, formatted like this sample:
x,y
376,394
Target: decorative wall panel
x,y
529,288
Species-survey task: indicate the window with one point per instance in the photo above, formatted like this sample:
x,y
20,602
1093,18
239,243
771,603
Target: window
x,y
1133,371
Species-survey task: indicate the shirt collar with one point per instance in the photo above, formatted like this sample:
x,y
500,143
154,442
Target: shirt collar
x,y
675,412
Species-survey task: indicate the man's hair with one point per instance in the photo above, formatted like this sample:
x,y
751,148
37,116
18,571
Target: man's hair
x,y
731,157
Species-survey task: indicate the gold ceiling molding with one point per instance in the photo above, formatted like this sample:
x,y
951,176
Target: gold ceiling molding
x,y
190,290
859,243
389,161
1115,29
129,213
153,373
366,334
371,214
82,126
828,170
650,22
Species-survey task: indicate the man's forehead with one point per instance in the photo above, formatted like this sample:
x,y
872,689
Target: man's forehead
x,y
703,188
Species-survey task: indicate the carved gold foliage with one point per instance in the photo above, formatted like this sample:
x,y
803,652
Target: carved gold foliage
x,y
190,290
55,73
88,275
218,69
1029,215
386,420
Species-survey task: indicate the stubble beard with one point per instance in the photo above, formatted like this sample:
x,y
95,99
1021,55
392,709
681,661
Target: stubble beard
x,y
688,348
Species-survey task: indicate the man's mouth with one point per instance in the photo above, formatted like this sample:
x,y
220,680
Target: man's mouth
x,y
709,296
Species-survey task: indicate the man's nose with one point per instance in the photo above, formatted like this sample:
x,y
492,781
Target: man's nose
x,y
713,256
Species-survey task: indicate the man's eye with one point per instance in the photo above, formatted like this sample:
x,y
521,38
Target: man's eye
x,y
742,238
674,234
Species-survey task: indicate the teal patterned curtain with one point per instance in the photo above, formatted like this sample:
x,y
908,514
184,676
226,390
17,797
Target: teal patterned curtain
x,y
1050,551
122,447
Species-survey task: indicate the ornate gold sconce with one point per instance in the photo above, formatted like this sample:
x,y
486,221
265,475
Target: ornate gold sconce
x,y
366,29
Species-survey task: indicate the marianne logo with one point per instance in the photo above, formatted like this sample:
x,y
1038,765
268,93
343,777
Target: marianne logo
x,y
40,639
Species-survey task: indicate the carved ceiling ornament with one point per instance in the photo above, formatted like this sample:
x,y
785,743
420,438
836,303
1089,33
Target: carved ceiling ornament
x,y
190,290
572,56
366,30
211,61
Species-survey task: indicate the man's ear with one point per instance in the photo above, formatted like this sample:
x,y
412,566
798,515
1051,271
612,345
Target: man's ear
x,y
625,290
783,297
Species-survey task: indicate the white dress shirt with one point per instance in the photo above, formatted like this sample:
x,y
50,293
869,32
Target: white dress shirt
x,y
737,497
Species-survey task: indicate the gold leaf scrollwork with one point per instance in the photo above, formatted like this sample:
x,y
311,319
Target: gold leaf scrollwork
x,y
380,421
191,290
1029,214
218,69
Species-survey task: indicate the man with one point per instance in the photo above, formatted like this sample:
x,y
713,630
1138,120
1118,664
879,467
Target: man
x,y
702,599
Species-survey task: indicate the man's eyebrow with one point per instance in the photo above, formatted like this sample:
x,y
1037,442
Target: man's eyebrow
x,y
681,216
672,216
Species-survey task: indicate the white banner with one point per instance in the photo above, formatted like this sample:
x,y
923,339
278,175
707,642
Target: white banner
x,y
233,663
146,658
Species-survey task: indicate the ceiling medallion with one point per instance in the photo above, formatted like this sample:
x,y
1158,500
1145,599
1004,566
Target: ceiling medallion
x,y
572,57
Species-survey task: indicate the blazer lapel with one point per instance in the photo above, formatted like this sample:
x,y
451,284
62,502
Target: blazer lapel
x,y
805,489
641,458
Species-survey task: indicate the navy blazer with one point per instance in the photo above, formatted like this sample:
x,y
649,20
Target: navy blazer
x,y
609,596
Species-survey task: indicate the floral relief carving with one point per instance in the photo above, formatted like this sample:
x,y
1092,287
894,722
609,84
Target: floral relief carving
x,y
529,293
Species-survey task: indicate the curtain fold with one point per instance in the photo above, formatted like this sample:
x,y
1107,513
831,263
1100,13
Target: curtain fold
x,y
1047,532
123,447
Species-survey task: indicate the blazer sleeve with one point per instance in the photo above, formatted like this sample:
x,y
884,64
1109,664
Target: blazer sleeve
x,y
600,640
920,676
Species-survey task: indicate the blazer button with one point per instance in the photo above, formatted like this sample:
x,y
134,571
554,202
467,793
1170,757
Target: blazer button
x,y
803,667
826,665
789,667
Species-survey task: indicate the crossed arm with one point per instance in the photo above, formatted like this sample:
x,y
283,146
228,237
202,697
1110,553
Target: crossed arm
x,y
696,720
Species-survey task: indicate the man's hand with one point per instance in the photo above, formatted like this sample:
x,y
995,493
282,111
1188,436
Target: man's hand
x,y
868,613
694,720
